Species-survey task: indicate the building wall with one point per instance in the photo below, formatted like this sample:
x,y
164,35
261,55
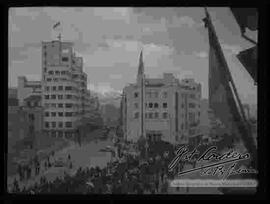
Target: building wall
x,y
64,89
17,125
182,121
27,88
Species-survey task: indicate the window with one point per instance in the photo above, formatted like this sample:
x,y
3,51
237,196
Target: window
x,y
53,105
60,88
191,105
47,105
156,105
60,114
60,96
55,79
50,72
53,124
57,72
68,114
150,115
68,105
45,69
63,72
68,88
53,96
165,115
49,79
54,88
69,96
60,105
47,88
65,59
47,124
165,105
165,94
68,124
136,105
136,95
150,105
192,96
47,96
47,114
156,114
191,117
136,115
53,114
28,103
60,124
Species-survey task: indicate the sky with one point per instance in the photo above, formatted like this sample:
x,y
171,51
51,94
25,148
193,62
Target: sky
x,y
110,40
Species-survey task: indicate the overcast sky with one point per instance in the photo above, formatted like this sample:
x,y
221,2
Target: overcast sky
x,y
110,39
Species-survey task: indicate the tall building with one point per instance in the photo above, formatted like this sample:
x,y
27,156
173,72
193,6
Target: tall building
x,y
64,84
171,109
27,88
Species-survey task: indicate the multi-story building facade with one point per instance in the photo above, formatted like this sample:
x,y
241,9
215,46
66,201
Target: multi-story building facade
x,y
171,109
64,89
27,88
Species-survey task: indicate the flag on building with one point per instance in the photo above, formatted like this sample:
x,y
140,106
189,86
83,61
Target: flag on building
x,y
222,93
56,25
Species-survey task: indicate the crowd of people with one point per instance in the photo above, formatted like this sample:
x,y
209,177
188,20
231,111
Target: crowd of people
x,y
130,174
27,171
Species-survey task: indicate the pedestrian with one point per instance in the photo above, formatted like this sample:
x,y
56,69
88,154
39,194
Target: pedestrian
x,y
187,189
157,185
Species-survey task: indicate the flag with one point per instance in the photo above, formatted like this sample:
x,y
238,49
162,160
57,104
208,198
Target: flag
x,y
222,93
56,25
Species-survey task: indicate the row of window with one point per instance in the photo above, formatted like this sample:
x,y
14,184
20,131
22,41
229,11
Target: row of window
x,y
164,95
60,114
152,115
151,105
164,105
56,79
155,115
60,105
67,96
58,72
60,88
60,124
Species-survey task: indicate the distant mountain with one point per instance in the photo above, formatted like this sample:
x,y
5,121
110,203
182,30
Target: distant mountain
x,y
109,97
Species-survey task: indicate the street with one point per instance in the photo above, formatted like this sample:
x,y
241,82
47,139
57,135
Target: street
x,y
83,156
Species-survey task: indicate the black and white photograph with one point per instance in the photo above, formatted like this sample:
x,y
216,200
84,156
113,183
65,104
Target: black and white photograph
x,y
132,100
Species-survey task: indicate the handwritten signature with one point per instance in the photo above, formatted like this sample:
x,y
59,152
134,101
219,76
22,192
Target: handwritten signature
x,y
214,168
